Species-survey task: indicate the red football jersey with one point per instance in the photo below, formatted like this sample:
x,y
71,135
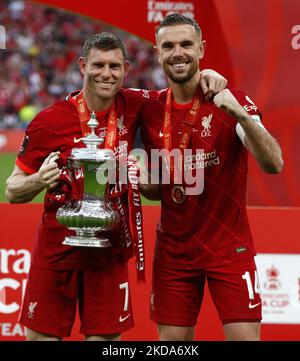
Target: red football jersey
x,y
211,228
57,128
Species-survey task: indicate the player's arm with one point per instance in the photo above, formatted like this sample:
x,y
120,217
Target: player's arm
x,y
257,139
211,82
22,187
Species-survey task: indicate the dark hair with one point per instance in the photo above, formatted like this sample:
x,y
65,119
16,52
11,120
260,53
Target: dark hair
x,y
178,19
103,41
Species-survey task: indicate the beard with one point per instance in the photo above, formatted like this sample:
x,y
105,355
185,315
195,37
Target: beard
x,y
180,78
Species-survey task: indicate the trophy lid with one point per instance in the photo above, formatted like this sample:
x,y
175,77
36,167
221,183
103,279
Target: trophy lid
x,y
92,141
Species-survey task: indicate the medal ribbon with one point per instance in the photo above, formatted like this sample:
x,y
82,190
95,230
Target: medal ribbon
x,y
134,202
84,116
136,219
187,127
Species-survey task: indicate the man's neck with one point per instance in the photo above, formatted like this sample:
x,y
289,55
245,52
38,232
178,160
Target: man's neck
x,y
183,93
95,103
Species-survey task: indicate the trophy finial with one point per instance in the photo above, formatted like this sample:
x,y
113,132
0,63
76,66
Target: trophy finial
x,y
92,140
93,123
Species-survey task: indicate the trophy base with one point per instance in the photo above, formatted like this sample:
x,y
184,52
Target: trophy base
x,y
79,241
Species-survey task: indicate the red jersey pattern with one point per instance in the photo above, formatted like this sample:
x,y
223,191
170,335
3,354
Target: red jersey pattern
x,y
57,128
211,228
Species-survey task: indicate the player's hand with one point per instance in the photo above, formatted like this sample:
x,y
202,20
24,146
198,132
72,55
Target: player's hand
x,y
211,83
49,173
227,101
148,190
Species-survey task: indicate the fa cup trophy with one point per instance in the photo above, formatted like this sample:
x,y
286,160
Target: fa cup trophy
x,y
92,213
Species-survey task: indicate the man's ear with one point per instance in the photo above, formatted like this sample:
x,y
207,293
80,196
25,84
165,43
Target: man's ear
x,y
126,66
202,48
82,64
156,49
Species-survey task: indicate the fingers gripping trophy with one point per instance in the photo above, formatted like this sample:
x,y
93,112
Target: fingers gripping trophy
x,y
92,214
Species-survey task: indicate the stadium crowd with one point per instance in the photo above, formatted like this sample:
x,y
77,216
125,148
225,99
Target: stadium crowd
x,y
39,64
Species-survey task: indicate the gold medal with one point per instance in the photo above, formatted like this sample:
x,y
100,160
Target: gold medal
x,y
178,194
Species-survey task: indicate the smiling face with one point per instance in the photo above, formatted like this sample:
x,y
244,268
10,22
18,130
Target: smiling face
x,y
179,50
103,73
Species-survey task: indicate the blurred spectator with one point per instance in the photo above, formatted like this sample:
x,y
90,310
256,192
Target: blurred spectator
x,y
39,64
9,118
27,113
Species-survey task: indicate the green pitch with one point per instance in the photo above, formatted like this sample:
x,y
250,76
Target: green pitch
x,y
7,162
6,166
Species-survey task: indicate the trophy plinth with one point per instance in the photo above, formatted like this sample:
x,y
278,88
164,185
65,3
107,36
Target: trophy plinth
x,y
93,213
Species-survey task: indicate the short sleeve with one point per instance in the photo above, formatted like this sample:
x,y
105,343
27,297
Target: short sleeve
x,y
37,144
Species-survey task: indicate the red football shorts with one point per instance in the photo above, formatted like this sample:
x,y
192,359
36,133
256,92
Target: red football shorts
x,y
103,297
178,293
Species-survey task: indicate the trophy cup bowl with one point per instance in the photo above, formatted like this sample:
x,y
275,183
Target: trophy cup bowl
x,y
93,213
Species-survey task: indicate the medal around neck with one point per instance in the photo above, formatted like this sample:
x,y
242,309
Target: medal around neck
x,y
93,213
178,194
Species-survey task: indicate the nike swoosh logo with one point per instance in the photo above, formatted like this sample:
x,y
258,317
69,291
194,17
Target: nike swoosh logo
x,y
253,306
122,319
75,140
161,134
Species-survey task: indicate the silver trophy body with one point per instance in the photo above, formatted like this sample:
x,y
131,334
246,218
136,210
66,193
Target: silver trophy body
x,y
93,213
